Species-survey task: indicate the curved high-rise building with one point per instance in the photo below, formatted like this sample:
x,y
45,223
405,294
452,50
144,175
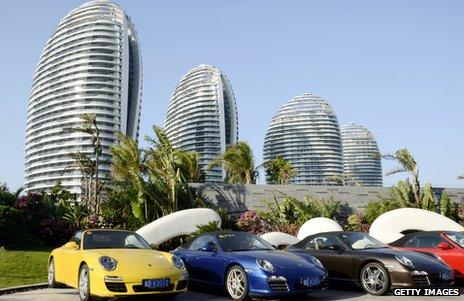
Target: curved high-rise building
x,y
202,116
305,131
90,64
361,158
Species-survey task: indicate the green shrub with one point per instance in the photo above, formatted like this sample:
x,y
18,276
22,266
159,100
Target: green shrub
x,y
354,223
448,208
6,198
11,226
375,209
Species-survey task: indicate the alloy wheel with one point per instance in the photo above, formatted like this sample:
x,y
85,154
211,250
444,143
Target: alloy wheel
x,y
236,283
374,279
51,273
84,283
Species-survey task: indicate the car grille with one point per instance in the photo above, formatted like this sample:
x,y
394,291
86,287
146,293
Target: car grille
x,y
421,279
141,289
116,287
278,285
182,284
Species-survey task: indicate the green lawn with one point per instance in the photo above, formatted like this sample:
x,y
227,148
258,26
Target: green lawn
x,y
23,267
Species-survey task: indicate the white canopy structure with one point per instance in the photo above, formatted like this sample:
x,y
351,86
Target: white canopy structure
x,y
176,224
318,225
391,225
278,239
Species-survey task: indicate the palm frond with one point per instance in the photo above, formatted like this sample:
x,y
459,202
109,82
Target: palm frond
x,y
395,171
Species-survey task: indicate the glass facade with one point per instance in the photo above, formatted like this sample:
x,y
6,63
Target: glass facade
x,y
361,160
90,64
202,116
306,132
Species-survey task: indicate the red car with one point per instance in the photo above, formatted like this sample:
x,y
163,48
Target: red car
x,y
446,245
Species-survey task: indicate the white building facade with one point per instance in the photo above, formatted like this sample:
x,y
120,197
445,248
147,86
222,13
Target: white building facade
x,y
90,64
361,157
202,117
305,131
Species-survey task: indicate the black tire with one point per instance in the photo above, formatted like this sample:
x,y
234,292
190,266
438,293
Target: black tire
x,y
374,279
84,289
51,275
237,288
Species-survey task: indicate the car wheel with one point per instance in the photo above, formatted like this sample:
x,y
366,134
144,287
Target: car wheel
x,y
237,283
84,284
51,274
374,279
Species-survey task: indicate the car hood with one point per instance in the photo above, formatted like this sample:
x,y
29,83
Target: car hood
x,y
284,260
136,257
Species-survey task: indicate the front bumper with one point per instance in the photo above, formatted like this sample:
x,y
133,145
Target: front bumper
x,y
404,278
113,287
263,284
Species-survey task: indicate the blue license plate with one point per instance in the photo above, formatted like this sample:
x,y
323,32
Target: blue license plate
x,y
311,281
156,283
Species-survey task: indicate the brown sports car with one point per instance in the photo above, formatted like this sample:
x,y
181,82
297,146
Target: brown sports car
x,y
360,258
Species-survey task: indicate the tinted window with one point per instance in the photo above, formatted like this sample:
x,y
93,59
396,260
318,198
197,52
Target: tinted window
x,y
424,241
360,241
241,241
77,238
201,242
114,240
457,238
323,243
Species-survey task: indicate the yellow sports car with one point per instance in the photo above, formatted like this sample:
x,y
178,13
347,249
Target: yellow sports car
x,y
109,263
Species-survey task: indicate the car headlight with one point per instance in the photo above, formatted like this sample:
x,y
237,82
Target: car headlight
x,y
317,262
404,260
107,263
178,262
266,265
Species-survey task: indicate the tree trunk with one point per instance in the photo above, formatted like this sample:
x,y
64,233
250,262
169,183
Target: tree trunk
x,y
416,188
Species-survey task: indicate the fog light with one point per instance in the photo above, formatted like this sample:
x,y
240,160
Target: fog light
x,y
419,273
114,279
276,278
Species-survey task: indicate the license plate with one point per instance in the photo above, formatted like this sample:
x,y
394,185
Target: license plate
x,y
156,283
311,281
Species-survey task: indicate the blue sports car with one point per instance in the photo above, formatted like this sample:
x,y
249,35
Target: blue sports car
x,y
247,266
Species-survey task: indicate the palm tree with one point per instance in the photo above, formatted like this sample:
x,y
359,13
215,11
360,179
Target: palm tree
x,y
170,170
238,162
279,171
127,172
89,166
408,165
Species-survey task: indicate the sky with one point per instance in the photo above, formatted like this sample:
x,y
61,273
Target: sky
x,y
396,67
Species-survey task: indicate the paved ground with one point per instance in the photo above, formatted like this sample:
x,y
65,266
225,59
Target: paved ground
x,y
71,295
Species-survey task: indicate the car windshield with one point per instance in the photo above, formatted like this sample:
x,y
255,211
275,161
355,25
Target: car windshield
x,y
113,240
457,238
360,241
241,241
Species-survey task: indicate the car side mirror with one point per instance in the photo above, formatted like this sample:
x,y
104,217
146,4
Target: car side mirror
x,y
71,245
444,246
